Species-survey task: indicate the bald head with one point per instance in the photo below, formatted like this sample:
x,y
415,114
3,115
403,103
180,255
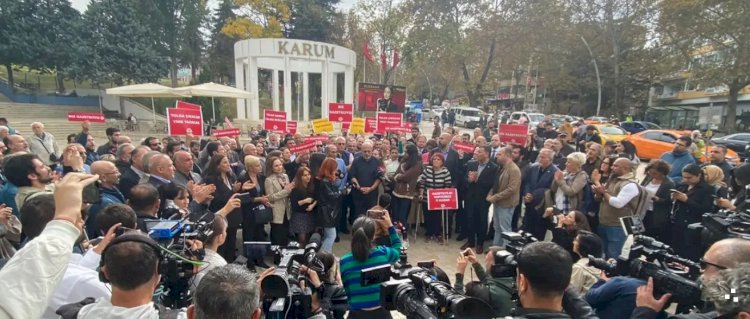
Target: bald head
x,y
250,149
101,167
331,150
183,161
444,139
109,176
622,166
17,143
727,253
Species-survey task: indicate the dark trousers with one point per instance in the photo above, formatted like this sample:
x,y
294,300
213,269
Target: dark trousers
x,y
400,212
516,216
433,221
250,230
460,216
347,212
280,233
362,203
476,221
229,249
379,313
533,223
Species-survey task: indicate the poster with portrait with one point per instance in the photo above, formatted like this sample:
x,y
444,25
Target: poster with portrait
x,y
381,98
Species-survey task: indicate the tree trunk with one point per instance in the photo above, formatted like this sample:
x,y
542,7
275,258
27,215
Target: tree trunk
x,y
173,71
9,69
474,94
192,73
60,80
734,90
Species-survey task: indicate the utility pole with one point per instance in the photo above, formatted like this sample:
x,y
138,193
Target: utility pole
x,y
598,79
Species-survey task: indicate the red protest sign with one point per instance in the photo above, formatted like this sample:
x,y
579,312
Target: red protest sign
x,y
465,147
513,133
340,112
388,121
274,121
345,126
231,132
291,127
442,199
180,120
307,145
86,116
370,125
317,138
186,105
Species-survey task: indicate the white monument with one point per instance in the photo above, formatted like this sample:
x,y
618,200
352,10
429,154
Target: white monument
x,y
289,56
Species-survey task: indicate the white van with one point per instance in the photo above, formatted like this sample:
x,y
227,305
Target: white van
x,y
468,117
533,118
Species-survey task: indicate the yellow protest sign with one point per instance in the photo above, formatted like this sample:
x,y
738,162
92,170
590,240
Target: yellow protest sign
x,y
322,126
357,126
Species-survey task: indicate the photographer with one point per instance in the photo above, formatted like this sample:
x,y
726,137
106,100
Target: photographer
x,y
229,291
729,292
724,254
364,302
499,290
213,242
584,276
333,299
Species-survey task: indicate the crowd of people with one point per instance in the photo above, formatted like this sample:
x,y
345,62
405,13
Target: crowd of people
x,y
565,182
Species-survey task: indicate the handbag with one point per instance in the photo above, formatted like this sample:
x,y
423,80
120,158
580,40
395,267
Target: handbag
x,y
263,215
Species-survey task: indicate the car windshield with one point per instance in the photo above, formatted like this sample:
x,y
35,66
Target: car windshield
x,y
470,113
536,117
652,126
612,130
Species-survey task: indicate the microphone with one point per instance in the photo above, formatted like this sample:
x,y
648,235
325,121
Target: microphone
x,y
314,242
311,258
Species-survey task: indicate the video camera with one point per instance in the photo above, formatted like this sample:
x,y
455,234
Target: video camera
x,y
282,292
651,258
414,292
505,260
718,226
180,263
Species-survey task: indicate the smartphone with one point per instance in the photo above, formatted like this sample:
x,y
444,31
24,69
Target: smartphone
x,y
91,193
673,190
245,198
376,214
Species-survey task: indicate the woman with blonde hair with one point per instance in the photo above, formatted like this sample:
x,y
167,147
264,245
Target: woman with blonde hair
x,y
566,191
278,189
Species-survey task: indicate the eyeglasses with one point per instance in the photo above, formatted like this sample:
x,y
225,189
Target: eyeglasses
x,y
704,264
681,145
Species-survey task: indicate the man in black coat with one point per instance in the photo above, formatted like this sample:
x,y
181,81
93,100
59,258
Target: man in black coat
x,y
589,136
480,177
455,163
536,183
133,174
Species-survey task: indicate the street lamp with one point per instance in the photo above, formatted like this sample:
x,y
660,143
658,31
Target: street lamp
x,y
598,79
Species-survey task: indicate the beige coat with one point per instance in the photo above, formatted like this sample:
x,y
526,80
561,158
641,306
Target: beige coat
x,y
574,191
278,197
508,186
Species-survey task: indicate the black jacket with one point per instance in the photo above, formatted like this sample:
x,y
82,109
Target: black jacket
x,y
477,191
221,197
248,216
329,199
540,313
127,181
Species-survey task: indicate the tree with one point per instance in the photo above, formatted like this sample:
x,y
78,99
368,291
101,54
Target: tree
x,y
699,29
58,24
221,48
120,46
259,19
313,19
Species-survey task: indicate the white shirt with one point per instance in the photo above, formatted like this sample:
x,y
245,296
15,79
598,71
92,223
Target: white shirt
x,y
78,283
651,188
628,192
211,260
104,309
31,276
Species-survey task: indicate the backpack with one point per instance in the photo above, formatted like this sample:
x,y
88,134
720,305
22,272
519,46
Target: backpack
x,y
641,202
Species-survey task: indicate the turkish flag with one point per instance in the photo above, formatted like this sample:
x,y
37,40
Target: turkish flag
x,y
366,52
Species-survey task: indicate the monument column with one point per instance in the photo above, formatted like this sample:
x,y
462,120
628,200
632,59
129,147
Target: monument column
x,y
239,75
252,78
287,89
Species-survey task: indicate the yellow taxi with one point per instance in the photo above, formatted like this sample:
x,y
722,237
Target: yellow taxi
x,y
610,132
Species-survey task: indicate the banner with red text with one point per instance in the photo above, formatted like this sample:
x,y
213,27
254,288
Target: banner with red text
x,y
92,117
370,125
291,127
187,105
231,132
274,121
465,147
388,121
340,112
307,145
180,120
442,198
513,133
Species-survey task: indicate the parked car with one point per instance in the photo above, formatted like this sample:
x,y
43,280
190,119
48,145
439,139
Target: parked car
x,y
638,126
651,144
468,117
737,142
610,132
595,120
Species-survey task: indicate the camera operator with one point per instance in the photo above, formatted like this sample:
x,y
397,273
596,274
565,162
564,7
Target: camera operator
x,y
499,290
213,242
364,302
722,255
543,274
729,292
333,300
230,291
613,297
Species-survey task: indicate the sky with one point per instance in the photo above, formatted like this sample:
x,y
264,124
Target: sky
x,y
81,5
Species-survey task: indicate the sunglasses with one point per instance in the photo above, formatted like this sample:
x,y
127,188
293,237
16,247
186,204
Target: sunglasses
x,y
705,263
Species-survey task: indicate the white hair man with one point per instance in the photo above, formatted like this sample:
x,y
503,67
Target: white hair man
x,y
44,145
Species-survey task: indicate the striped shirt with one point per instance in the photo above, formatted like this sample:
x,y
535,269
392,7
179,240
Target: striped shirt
x,y
351,273
433,179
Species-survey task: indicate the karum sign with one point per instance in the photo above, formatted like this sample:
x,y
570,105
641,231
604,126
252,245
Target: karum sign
x,y
274,121
513,133
442,199
340,112
180,120
86,116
